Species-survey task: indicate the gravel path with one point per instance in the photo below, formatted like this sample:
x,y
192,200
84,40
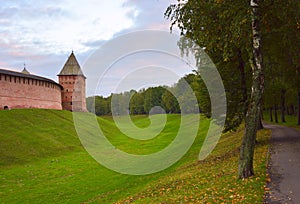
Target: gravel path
x,y
284,166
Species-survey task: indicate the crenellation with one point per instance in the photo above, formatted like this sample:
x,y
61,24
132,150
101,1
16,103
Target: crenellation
x,y
24,90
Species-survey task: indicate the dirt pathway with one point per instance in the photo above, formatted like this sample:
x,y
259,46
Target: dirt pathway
x,y
284,165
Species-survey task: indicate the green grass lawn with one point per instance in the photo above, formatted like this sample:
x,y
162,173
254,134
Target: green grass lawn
x,y
42,161
291,120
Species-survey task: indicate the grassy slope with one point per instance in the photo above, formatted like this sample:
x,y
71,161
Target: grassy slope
x,y
42,161
30,134
213,180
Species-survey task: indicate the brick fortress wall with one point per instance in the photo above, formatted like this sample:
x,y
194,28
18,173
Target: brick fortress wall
x,y
26,92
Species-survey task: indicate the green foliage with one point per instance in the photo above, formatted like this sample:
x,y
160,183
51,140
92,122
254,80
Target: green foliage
x,y
170,102
183,92
201,92
153,97
281,53
137,103
223,28
99,105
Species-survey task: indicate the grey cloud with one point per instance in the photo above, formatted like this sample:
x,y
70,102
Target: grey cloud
x,y
6,13
14,55
93,44
150,11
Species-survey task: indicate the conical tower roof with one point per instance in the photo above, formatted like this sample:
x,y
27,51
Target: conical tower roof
x,y
25,71
71,67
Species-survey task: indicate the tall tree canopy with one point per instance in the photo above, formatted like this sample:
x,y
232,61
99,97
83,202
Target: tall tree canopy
x,y
224,29
231,32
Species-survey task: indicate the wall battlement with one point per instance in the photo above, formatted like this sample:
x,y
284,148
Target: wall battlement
x,y
24,90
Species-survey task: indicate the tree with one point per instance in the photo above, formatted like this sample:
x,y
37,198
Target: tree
x,y
202,94
137,103
223,28
185,93
98,105
254,110
170,103
207,22
281,55
153,98
298,90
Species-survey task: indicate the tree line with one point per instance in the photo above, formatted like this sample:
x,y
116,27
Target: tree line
x,y
172,99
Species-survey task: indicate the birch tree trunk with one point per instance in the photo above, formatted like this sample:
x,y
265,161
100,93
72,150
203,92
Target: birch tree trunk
x,y
252,116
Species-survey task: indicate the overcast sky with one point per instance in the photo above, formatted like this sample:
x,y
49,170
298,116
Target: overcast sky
x,y
42,34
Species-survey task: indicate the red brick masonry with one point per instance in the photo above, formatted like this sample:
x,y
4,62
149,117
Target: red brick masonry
x,y
20,90
73,94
